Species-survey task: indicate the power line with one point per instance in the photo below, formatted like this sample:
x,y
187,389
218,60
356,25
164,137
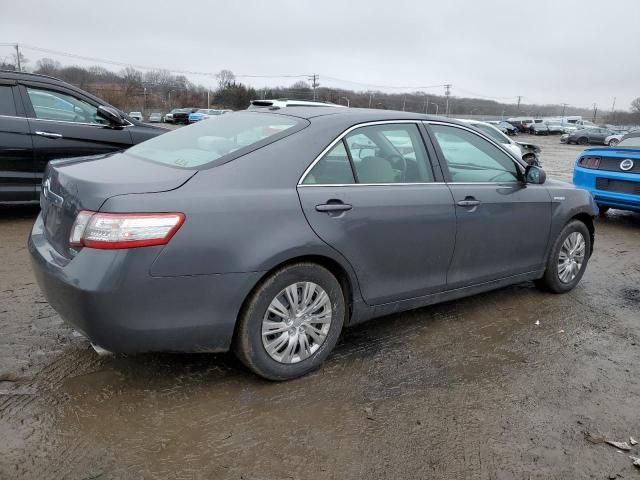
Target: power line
x,y
134,65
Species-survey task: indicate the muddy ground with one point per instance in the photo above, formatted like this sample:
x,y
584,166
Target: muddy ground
x,y
471,389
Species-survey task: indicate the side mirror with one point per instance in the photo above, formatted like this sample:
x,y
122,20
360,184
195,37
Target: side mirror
x,y
534,175
111,115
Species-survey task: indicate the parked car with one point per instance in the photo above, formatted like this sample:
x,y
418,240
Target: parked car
x,y
352,229
539,129
285,102
204,113
504,127
155,117
526,151
586,136
137,115
554,128
168,118
523,124
612,175
43,118
614,139
181,115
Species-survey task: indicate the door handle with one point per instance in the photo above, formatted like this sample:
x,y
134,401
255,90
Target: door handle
x,y
333,207
48,134
469,202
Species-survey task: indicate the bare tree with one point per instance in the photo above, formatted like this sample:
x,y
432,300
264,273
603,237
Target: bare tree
x,y
47,66
635,105
225,77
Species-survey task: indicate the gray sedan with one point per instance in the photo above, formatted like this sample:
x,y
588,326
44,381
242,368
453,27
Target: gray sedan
x,y
267,232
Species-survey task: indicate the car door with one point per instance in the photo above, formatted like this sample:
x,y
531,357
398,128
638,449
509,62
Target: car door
x,y
375,196
503,224
17,181
63,124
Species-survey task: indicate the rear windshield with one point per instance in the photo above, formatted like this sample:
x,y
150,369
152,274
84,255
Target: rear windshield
x,y
217,138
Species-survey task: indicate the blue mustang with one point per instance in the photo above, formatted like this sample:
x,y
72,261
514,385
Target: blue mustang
x,y
612,175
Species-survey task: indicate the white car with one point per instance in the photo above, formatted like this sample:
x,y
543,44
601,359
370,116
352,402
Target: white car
x,y
496,135
284,102
613,140
136,115
155,117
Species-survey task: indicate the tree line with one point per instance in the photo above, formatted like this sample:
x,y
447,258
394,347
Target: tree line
x,y
160,90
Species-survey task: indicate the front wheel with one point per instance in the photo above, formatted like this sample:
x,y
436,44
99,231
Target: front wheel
x,y
582,141
291,322
613,142
568,259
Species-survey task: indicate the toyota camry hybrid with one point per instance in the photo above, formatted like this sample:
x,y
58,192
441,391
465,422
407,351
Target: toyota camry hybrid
x,y
268,231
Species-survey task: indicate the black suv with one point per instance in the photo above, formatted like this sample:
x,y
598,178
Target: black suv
x,y
181,115
43,118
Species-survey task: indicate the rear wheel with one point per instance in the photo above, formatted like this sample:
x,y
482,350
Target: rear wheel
x,y
613,142
582,141
568,259
291,322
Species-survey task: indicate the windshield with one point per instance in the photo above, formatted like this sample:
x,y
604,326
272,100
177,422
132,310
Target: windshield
x,y
492,133
204,142
631,142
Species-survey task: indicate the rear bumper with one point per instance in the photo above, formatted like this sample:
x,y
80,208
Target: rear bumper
x,y
586,178
109,296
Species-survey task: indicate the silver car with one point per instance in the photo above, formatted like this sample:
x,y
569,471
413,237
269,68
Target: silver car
x,y
268,231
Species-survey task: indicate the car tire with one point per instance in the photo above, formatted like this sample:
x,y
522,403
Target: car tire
x,y
250,339
613,142
552,280
603,209
582,141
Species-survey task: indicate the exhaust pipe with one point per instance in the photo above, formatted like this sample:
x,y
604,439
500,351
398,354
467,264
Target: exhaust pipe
x,y
101,351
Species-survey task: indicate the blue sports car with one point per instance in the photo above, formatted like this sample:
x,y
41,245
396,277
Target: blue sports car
x,y
612,175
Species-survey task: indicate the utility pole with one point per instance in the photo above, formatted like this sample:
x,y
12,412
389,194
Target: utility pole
x,y
447,93
595,112
314,83
144,102
404,102
518,107
18,58
613,111
370,98
564,108
426,104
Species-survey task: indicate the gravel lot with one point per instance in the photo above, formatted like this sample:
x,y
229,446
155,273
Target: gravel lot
x,y
471,389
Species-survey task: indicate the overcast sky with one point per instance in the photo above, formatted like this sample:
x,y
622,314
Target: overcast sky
x,y
549,51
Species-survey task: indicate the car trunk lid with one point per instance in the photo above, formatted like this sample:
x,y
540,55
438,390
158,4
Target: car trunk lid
x,y
72,185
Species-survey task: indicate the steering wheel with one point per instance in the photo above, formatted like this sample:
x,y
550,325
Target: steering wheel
x,y
396,159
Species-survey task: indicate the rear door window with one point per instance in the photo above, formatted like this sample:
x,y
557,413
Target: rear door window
x,y
7,105
332,169
389,153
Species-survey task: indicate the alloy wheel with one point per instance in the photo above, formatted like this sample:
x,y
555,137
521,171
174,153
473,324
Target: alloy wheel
x,y
571,257
296,322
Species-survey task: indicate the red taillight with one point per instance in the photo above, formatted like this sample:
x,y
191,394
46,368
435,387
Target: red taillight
x,y
589,162
123,230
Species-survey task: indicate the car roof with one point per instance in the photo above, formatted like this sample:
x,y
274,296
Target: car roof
x,y
357,115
